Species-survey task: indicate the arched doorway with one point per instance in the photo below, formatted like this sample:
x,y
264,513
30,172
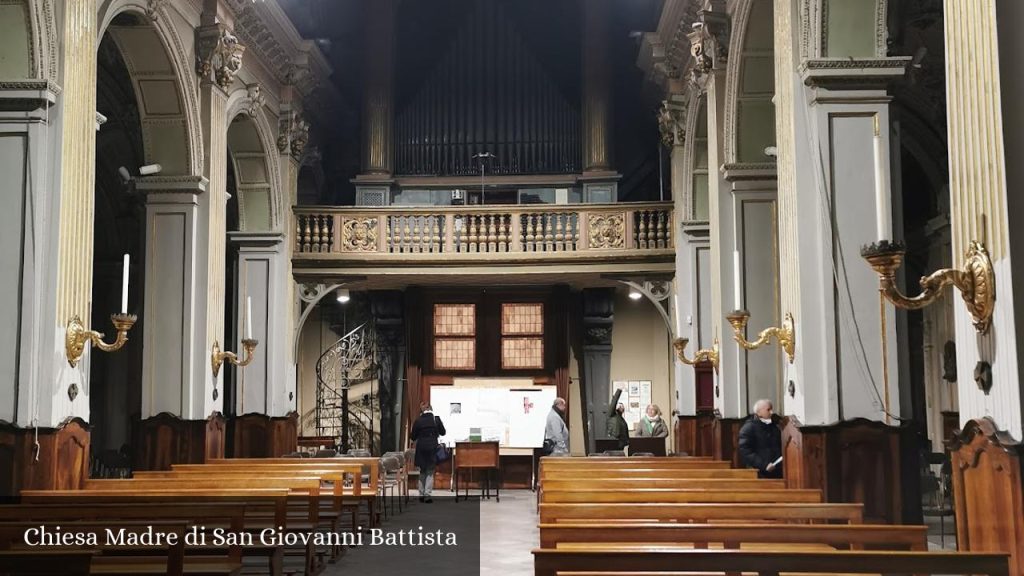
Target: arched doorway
x,y
144,122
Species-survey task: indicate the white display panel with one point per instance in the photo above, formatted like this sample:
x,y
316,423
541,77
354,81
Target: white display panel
x,y
512,416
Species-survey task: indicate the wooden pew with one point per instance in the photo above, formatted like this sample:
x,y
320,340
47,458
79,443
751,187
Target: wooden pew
x,y
66,562
668,495
549,562
667,473
620,483
733,536
703,512
563,463
230,516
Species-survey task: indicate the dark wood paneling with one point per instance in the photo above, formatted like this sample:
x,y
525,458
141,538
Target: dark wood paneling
x,y
950,427
166,439
62,462
704,389
857,460
262,436
685,432
725,437
988,489
705,433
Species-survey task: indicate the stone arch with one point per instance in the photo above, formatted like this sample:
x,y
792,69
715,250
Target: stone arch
x,y
29,40
750,84
164,83
258,175
697,136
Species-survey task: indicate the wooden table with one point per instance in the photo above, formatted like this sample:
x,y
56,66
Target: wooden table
x,y
477,455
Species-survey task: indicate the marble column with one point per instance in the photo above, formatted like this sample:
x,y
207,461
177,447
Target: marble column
x,y
378,103
600,182
170,329
825,115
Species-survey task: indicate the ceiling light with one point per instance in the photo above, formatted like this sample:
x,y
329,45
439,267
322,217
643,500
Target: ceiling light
x,y
343,295
635,294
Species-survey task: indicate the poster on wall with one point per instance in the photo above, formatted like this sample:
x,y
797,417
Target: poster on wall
x,y
636,396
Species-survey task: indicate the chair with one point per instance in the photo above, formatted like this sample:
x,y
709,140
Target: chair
x,y
412,473
390,479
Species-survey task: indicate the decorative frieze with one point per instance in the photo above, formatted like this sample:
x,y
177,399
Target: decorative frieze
x,y
607,231
359,235
219,52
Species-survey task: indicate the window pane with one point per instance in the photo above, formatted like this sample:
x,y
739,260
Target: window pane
x,y
522,319
454,354
517,353
454,319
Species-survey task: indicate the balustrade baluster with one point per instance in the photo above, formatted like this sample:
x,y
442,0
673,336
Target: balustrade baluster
x,y
316,233
492,234
504,221
435,240
406,235
417,234
549,233
305,234
325,233
529,245
662,229
559,233
472,233
642,232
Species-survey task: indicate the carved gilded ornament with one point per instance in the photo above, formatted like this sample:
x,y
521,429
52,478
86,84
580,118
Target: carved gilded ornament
x,y
359,235
607,231
219,52
671,122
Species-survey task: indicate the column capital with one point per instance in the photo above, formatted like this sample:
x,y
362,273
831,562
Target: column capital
x,y
172,184
218,53
256,239
672,120
852,73
709,40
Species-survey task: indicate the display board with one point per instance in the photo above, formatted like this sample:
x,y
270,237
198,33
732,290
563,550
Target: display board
x,y
636,395
511,414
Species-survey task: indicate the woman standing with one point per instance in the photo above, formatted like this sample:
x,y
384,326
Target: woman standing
x,y
425,432
652,425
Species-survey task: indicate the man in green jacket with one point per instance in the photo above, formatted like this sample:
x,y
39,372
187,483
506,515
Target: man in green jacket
x,y
617,427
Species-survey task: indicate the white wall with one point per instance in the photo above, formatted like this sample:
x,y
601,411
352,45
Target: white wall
x,y
640,351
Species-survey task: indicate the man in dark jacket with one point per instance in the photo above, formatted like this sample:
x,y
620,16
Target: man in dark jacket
x,y
617,427
761,442
425,432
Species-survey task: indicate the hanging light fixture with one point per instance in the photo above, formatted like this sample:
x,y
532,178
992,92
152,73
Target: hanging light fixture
x,y
343,295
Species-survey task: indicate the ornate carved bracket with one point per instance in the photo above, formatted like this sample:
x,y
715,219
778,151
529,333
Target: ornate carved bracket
x,y
218,52
153,8
709,41
256,99
672,122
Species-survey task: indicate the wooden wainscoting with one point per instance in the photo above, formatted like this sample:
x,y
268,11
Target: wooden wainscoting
x,y
167,439
857,460
63,458
705,432
685,432
262,436
726,438
988,489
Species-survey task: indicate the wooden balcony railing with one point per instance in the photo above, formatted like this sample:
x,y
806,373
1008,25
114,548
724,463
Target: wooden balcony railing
x,y
582,229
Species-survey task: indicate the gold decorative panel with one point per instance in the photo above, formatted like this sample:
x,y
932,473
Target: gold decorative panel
x,y
522,319
455,320
455,354
518,353
359,235
607,231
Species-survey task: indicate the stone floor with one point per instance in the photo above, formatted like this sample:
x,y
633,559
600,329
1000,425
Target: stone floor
x,y
506,533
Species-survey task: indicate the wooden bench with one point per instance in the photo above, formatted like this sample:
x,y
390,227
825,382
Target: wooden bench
x,y
669,473
839,536
653,559
210,515
562,463
703,512
66,562
619,483
668,495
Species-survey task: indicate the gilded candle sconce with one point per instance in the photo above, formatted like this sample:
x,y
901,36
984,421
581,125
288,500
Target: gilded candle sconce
x,y
217,358
76,336
702,355
785,335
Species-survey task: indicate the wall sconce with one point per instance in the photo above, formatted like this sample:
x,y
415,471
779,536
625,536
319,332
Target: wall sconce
x,y
77,335
703,355
976,281
217,357
786,334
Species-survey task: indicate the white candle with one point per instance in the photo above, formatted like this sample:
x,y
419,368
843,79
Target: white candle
x,y
883,212
737,285
124,286
248,317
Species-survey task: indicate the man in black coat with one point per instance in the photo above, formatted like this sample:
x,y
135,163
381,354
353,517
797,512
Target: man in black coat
x,y
761,442
425,432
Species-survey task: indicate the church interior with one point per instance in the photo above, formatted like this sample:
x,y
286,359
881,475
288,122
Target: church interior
x,y
253,242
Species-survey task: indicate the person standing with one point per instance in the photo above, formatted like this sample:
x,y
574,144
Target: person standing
x,y
760,442
556,433
652,425
425,432
616,426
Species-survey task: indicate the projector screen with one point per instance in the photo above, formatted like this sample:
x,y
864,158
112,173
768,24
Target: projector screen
x,y
514,416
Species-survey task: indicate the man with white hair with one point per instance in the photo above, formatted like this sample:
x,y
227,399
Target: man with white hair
x,y
556,433
760,442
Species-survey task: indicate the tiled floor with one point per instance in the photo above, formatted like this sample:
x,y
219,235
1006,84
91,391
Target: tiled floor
x,y
508,531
